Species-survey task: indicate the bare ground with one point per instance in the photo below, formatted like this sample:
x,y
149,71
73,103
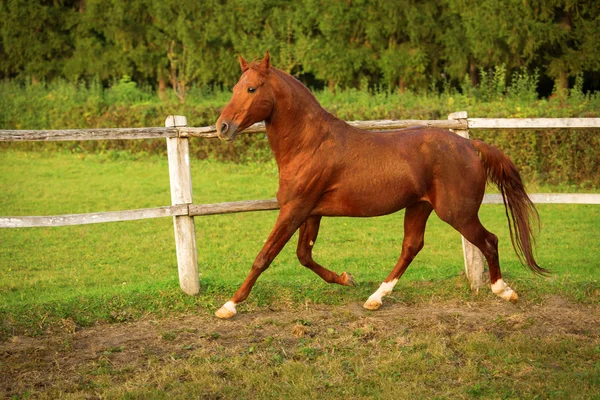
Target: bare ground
x,y
59,361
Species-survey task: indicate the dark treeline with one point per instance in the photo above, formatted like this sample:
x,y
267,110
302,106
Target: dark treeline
x,y
404,44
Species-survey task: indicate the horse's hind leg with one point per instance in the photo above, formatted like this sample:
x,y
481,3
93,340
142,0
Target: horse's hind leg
x,y
415,220
306,240
487,242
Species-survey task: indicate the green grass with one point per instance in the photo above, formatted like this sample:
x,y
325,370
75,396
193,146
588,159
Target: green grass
x,y
122,271
301,337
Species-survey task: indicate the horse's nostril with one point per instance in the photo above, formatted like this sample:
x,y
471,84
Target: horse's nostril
x,y
224,127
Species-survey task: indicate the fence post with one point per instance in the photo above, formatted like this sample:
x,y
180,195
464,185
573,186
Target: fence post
x,y
180,177
474,259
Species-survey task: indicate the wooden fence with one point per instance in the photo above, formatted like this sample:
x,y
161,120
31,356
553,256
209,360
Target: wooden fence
x,y
183,210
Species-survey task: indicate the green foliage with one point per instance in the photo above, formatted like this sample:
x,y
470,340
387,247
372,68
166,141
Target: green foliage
x,y
126,92
547,157
492,84
523,87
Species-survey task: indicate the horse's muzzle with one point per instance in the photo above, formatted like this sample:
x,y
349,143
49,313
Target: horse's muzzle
x,y
227,130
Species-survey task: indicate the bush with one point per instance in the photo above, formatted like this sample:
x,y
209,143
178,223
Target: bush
x,y
553,157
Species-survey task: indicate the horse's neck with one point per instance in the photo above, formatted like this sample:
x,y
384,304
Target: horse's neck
x,y
298,124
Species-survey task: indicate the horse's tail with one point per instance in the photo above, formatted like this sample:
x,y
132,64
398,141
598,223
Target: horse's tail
x,y
520,210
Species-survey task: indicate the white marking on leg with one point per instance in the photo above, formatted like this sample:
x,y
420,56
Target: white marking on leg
x,y
227,311
384,289
311,243
230,305
501,289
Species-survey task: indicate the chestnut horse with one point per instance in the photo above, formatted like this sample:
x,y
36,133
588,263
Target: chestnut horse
x,y
329,168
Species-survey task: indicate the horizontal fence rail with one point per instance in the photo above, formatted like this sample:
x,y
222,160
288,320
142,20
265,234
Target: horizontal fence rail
x,y
532,123
210,132
183,211
87,134
550,198
92,218
197,210
206,132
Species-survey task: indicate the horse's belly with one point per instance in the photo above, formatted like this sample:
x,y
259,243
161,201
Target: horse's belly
x,y
359,204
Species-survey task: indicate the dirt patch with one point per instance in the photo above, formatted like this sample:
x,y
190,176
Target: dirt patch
x,y
69,354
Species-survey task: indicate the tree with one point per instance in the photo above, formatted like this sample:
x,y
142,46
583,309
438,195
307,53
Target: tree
x,y
340,54
403,37
572,33
107,40
343,43
35,38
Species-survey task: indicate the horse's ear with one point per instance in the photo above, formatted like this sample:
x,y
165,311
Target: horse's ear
x,y
265,64
243,63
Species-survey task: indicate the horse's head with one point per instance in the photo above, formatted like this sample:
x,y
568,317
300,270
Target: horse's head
x,y
252,100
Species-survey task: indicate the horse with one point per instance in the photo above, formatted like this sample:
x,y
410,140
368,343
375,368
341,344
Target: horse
x,y
328,168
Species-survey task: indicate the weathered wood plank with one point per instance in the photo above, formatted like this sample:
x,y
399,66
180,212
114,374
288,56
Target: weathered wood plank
x,y
551,198
181,193
532,123
407,123
208,132
233,207
86,134
92,218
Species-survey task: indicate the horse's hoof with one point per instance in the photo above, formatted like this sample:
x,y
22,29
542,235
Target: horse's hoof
x,y
348,279
372,305
501,289
225,312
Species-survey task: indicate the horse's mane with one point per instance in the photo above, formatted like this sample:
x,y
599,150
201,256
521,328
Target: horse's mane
x,y
299,87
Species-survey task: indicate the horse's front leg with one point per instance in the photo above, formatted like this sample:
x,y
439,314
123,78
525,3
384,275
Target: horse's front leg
x,y
288,221
306,240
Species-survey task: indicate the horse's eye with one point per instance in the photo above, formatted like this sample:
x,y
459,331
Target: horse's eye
x,y
251,89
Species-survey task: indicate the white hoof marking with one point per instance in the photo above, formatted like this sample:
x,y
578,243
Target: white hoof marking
x,y
376,298
227,311
501,289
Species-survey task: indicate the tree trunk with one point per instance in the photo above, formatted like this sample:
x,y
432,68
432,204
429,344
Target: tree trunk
x,y
561,82
473,73
402,86
162,87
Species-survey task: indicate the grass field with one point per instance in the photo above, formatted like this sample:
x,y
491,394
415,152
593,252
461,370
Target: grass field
x,y
62,281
